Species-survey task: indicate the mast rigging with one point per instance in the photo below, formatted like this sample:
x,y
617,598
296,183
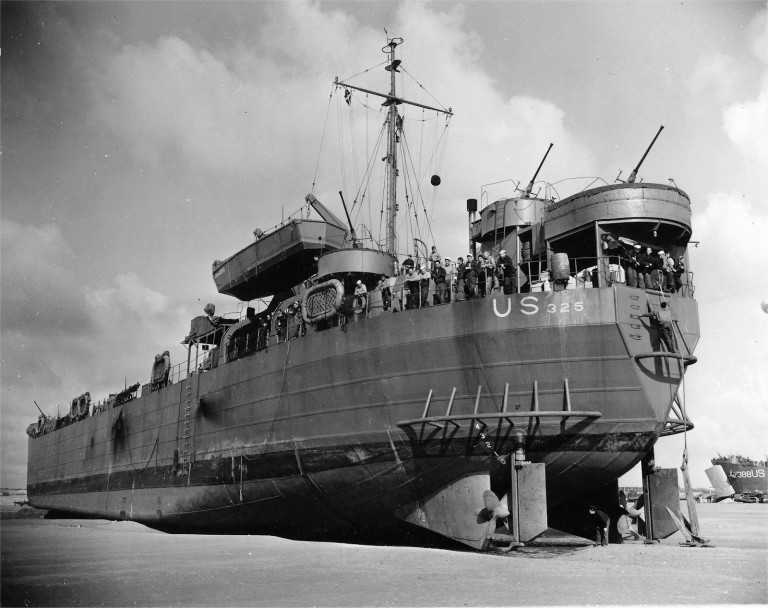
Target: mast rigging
x,y
394,124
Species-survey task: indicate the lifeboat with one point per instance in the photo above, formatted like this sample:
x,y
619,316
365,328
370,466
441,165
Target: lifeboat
x,y
281,258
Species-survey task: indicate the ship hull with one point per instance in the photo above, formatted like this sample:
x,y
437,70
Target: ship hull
x,y
745,478
326,434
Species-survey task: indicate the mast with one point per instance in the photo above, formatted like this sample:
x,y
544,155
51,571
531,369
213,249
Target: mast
x,y
392,147
394,125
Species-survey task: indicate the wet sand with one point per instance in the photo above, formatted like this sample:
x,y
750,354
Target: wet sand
x,y
100,563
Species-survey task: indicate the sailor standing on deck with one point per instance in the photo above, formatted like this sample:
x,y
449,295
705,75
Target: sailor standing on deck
x,y
450,278
263,336
434,259
412,285
439,276
631,269
281,325
479,267
424,276
361,297
679,271
647,264
470,278
460,268
506,267
657,274
668,270
386,292
409,263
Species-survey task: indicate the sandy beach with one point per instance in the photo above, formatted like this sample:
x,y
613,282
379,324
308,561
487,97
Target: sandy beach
x,y
70,562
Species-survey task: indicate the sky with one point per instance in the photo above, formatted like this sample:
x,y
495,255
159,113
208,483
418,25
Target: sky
x,y
142,141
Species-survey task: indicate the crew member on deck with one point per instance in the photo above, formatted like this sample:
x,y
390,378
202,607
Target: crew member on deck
x,y
450,278
412,285
281,325
668,268
361,297
657,274
440,276
470,278
647,265
386,292
679,272
424,277
479,267
460,269
409,263
507,267
434,259
263,338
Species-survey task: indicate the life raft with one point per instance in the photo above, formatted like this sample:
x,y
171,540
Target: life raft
x,y
323,301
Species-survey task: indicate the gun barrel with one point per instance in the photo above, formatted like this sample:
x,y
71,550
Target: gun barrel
x,y
533,179
349,221
38,408
634,172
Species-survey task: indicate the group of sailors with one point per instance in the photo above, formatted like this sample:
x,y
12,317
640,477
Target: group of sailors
x,y
648,269
474,277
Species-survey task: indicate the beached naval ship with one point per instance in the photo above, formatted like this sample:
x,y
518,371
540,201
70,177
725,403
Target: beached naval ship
x,y
747,477
335,413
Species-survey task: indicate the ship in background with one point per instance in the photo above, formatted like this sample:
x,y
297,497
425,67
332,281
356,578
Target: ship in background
x,y
746,478
320,414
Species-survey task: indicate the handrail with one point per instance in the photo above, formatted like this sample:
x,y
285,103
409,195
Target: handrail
x,y
675,426
687,359
453,419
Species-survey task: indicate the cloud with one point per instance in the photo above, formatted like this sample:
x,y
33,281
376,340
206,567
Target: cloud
x,y
169,100
715,76
61,337
731,229
745,121
757,34
746,124
130,296
254,110
41,289
727,390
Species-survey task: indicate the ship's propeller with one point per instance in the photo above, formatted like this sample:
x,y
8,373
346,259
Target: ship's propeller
x,y
493,508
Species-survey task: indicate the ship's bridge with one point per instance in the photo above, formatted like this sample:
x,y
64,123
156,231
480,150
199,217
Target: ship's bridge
x,y
604,222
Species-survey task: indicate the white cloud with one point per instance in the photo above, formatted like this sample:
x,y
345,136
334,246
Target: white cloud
x,y
715,76
130,294
746,124
732,231
40,287
757,34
